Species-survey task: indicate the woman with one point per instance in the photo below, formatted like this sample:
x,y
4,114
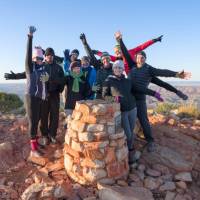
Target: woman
x,y
77,87
120,88
36,89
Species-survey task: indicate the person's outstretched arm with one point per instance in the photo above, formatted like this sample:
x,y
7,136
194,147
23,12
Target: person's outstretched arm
x,y
99,53
169,73
127,56
14,76
144,45
28,60
90,54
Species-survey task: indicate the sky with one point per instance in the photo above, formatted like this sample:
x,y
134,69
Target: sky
x,y
59,24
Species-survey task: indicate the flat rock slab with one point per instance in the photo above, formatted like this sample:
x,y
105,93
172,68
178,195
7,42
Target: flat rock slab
x,y
125,193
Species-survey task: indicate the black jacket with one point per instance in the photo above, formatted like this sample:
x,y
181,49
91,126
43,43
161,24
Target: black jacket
x,y
72,97
122,87
56,78
141,77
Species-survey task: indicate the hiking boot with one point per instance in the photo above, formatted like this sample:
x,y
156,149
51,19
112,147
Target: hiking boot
x,y
53,140
151,147
182,95
131,157
44,141
35,153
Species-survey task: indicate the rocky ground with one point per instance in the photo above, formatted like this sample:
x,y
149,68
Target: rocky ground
x,y
171,172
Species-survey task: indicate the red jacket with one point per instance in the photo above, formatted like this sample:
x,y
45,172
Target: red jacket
x,y
132,53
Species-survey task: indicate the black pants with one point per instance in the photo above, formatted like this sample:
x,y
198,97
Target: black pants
x,y
33,110
50,115
143,119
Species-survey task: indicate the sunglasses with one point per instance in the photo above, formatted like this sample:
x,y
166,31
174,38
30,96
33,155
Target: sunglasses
x,y
39,58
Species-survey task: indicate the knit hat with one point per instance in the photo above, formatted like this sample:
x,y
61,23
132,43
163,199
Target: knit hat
x,y
117,46
142,53
37,52
75,64
75,51
85,58
105,54
118,63
49,51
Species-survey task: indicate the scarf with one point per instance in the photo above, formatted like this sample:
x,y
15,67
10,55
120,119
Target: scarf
x,y
76,81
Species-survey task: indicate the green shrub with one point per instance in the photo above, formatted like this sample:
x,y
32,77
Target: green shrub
x,y
165,108
9,102
188,111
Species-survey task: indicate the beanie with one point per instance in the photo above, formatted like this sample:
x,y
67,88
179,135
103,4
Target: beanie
x,y
117,46
142,53
75,64
49,51
105,54
75,51
85,58
118,63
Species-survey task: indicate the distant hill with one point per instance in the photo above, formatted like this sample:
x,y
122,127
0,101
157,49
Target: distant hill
x,y
191,88
15,88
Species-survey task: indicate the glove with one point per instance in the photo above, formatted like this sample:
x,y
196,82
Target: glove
x,y
95,88
158,39
66,54
83,38
32,30
158,96
10,76
95,51
44,77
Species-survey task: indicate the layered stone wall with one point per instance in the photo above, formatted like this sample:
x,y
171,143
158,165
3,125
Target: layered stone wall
x,y
95,147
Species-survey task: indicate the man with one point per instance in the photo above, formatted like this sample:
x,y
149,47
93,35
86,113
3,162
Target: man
x,y
103,66
141,75
51,107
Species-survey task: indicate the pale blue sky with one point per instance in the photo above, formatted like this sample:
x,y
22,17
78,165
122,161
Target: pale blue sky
x,y
59,24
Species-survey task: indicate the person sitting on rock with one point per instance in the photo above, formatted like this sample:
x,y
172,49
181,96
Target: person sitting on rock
x,y
141,75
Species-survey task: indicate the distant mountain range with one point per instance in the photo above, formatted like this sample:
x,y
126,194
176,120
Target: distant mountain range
x,y
19,88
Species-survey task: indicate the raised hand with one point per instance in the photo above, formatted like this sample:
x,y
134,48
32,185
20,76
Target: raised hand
x,y
83,38
118,35
184,75
66,54
32,30
158,39
10,75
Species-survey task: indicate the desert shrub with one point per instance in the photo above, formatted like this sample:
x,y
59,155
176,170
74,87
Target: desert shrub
x,y
165,108
188,111
9,102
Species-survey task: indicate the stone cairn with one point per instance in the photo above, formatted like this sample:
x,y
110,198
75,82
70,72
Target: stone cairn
x,y
95,148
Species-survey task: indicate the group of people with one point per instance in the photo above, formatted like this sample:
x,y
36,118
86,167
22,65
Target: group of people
x,y
123,78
